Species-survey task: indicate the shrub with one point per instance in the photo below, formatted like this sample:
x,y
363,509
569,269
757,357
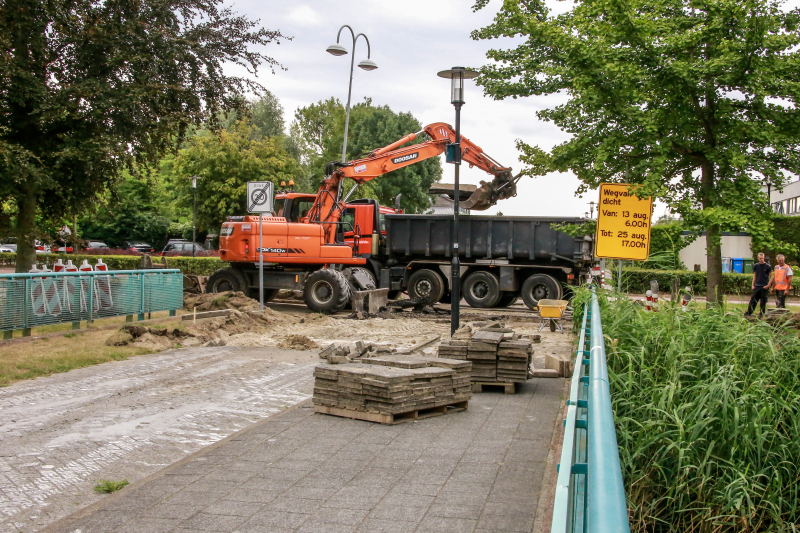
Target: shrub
x,y
199,266
706,412
638,280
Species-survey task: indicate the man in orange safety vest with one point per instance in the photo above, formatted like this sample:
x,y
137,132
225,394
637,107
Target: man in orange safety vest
x,y
782,281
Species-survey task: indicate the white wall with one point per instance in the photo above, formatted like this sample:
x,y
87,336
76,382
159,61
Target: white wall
x,y
732,246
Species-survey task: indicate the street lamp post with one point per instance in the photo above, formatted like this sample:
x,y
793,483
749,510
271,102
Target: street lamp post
x,y
457,75
591,209
194,212
366,64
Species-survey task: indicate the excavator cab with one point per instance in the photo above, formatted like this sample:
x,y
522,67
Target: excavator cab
x,y
293,207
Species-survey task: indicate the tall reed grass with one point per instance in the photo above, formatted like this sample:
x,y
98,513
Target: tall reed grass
x,y
707,409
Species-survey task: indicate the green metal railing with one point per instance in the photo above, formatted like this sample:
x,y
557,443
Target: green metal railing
x,y
43,298
590,495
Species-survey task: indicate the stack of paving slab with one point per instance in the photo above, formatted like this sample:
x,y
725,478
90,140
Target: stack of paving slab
x,y
497,354
379,388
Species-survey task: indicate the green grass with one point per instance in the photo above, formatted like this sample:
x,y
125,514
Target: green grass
x,y
707,409
107,486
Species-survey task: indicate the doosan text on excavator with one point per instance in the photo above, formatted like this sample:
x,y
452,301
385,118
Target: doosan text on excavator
x,y
327,247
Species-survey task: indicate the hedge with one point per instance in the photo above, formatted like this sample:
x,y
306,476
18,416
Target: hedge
x,y
638,280
199,266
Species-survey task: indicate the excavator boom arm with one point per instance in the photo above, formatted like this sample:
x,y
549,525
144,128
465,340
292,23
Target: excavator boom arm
x,y
327,209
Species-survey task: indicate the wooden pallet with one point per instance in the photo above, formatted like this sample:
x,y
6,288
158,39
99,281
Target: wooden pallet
x,y
392,419
509,386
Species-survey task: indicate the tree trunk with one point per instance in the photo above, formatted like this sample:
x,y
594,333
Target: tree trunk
x,y
26,230
714,265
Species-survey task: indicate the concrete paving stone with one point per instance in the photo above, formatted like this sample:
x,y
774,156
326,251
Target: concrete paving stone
x,y
461,498
137,499
214,486
384,511
255,496
460,487
520,497
181,477
193,497
408,500
351,517
250,466
430,478
448,510
213,522
416,488
485,469
345,502
257,483
372,525
178,480
330,481
180,511
293,505
309,492
234,508
148,525
516,522
101,521
447,525
497,508
472,477
228,475
363,491
269,520
319,527
344,464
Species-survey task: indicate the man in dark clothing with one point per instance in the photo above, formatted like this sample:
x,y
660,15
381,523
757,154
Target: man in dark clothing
x,y
760,285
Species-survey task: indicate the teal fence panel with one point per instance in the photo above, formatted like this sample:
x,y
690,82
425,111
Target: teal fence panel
x,y
43,298
590,495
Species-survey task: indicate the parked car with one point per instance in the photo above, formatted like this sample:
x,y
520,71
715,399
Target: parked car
x,y
5,248
183,247
141,247
9,244
96,245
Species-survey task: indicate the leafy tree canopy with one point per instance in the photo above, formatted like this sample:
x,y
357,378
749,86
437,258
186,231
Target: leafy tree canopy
x,y
695,100
89,88
225,163
321,126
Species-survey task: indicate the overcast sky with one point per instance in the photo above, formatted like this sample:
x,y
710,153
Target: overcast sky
x,y
412,40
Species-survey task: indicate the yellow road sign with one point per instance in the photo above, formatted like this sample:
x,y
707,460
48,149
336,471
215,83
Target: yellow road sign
x,y
623,223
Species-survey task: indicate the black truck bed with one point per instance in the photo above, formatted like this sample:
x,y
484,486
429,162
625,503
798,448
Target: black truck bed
x,y
518,239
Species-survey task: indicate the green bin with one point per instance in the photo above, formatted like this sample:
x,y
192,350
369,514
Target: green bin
x,y
748,266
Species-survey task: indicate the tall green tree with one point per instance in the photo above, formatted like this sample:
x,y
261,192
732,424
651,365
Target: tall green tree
x,y
321,127
89,88
225,162
132,214
694,100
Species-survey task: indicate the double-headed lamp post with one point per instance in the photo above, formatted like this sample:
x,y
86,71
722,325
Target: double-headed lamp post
x,y
457,75
366,64
194,211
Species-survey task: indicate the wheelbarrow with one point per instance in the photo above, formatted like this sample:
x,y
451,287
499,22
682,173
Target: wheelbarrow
x,y
551,311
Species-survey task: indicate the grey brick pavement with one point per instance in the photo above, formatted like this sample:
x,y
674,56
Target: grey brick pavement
x,y
476,471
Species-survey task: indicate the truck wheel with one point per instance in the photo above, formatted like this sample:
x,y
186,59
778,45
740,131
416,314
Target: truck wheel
x,y
269,294
507,298
226,279
426,285
481,289
540,287
326,291
446,298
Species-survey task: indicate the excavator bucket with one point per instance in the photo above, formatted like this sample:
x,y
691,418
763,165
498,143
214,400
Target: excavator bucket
x,y
488,194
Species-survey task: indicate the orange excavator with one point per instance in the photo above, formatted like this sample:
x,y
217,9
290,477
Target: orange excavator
x,y
305,246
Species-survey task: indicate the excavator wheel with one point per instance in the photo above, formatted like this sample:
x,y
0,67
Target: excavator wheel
x,y
360,279
326,291
226,279
481,289
426,285
269,294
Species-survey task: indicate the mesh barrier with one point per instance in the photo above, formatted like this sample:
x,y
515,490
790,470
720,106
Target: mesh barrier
x,y
31,300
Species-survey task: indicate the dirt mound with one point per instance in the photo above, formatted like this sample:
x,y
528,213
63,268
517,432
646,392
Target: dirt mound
x,y
203,332
221,300
298,342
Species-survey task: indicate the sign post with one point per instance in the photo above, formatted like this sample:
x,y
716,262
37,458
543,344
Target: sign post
x,y
623,225
259,200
